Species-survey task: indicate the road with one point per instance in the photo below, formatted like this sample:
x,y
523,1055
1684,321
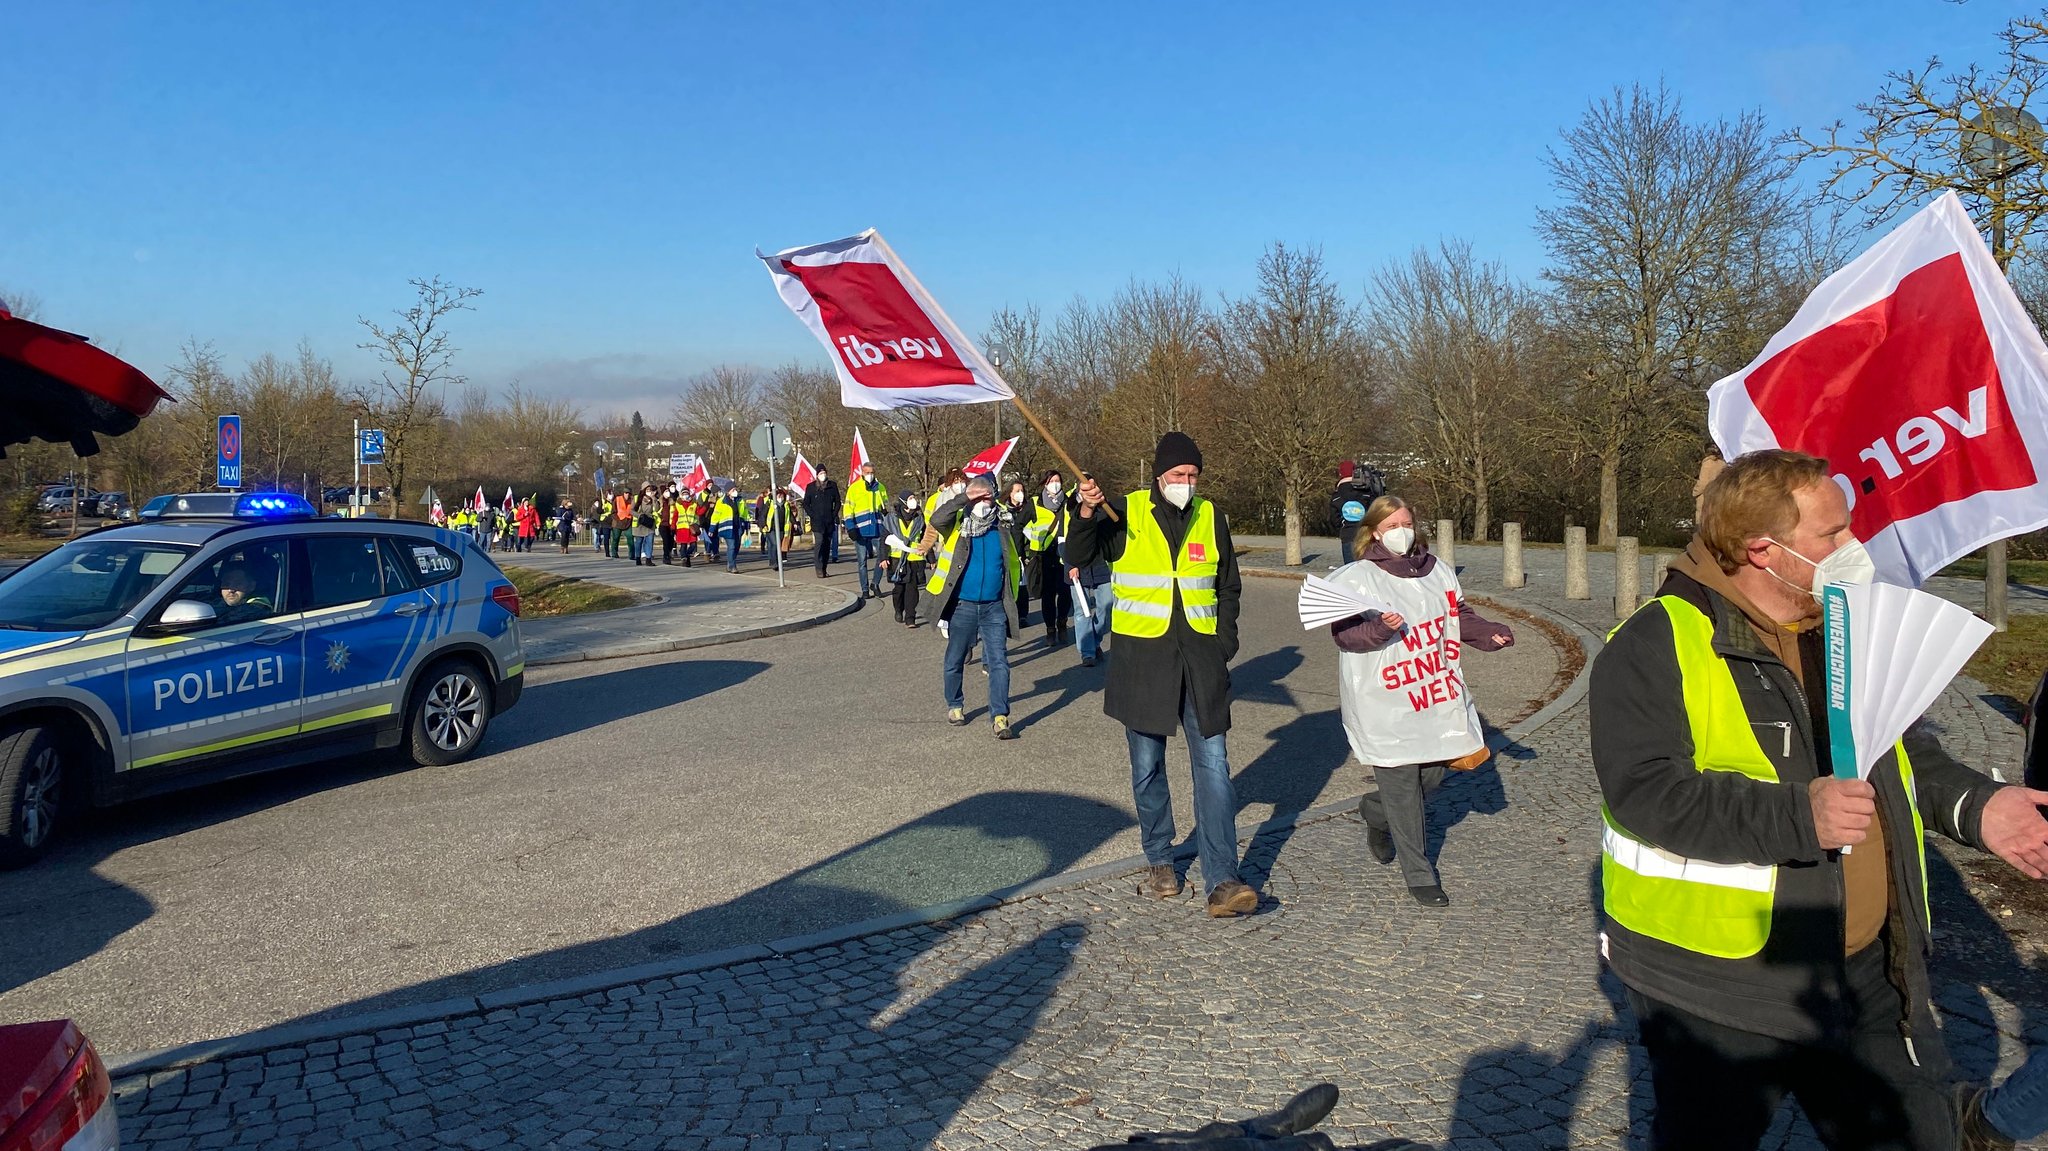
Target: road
x,y
636,809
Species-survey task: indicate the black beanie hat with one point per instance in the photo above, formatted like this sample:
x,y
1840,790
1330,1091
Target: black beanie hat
x,y
1175,449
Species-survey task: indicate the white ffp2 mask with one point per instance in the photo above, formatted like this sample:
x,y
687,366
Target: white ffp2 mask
x,y
1398,540
1177,494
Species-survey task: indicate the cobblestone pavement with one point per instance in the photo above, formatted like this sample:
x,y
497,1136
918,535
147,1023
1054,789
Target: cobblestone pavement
x,y
1088,1012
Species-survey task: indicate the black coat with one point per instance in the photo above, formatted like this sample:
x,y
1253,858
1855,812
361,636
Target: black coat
x,y
1147,677
821,505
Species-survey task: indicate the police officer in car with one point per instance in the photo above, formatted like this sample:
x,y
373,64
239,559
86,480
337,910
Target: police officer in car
x,y
239,599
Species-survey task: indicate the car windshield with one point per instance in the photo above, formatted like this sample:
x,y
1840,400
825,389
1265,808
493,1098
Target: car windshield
x,y
85,584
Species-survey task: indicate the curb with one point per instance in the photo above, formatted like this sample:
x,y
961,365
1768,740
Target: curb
x,y
658,646
129,1065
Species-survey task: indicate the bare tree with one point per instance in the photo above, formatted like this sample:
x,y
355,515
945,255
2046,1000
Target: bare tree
x,y
419,367
1293,360
719,407
1926,132
23,305
1663,230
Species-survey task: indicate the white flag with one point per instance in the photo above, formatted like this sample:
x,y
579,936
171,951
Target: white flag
x,y
891,343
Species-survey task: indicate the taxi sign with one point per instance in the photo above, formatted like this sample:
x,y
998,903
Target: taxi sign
x,y
228,454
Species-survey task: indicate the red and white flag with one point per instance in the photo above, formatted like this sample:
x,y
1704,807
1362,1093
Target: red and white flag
x,y
891,343
479,503
699,477
509,503
859,457
990,463
1916,374
802,473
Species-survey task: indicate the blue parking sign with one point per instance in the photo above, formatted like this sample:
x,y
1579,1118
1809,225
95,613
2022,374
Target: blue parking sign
x,y
228,457
372,446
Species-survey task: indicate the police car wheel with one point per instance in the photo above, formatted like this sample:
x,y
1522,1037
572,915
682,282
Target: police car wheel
x,y
451,708
32,771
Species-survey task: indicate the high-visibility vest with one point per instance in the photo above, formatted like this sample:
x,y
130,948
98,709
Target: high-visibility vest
x,y
724,512
907,530
1042,530
864,509
1717,909
1146,576
769,515
937,582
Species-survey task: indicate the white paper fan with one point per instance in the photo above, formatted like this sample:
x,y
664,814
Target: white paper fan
x,y
1322,603
1891,650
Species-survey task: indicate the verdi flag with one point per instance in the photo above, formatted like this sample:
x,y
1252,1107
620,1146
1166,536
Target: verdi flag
x,y
1916,374
699,477
990,463
891,343
859,457
801,474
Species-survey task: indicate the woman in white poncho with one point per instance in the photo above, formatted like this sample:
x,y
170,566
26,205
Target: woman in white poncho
x,y
1407,711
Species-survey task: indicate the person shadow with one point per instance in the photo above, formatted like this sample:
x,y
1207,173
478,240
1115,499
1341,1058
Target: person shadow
x,y
896,1022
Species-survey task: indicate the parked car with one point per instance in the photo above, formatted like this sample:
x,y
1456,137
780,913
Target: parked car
x,y
234,633
106,506
56,499
55,1094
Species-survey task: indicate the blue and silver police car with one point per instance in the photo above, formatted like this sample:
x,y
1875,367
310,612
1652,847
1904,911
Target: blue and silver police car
x,y
234,633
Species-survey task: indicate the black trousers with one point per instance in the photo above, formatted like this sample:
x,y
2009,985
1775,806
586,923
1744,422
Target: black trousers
x,y
1717,1087
821,550
905,594
1055,594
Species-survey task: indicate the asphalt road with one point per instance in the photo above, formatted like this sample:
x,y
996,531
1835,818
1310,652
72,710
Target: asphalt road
x,y
635,809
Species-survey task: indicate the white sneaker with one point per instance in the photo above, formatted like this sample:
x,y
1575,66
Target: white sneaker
x,y
945,629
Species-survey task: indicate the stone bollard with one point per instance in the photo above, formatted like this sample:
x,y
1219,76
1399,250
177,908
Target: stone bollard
x,y
1628,574
1659,571
1511,575
1445,545
1575,586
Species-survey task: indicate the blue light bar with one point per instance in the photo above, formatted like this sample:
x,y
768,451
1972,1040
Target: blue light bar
x,y
264,505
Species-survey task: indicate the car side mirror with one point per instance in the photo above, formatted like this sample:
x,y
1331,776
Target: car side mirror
x,y
186,614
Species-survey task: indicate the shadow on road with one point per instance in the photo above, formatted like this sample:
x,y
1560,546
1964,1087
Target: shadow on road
x,y
909,1024
61,911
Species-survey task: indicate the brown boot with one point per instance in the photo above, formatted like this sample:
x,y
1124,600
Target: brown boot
x,y
1160,882
1231,899
1973,1131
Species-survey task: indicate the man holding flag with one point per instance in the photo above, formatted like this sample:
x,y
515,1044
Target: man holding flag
x,y
1767,911
1177,591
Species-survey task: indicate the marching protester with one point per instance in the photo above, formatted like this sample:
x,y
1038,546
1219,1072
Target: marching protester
x,y
706,505
665,521
729,524
646,515
599,519
1769,919
977,568
684,514
771,514
1407,712
526,522
622,523
906,562
1046,570
821,507
1018,505
565,524
867,503
1177,593
1358,485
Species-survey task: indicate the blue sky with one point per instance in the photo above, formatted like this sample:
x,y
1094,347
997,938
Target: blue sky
x,y
253,174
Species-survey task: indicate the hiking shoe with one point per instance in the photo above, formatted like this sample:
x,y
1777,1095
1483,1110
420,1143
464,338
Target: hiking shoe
x,y
1160,882
1087,661
1231,899
1003,728
1380,843
956,716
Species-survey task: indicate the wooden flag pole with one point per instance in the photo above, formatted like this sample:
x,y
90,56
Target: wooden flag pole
x,y
1037,425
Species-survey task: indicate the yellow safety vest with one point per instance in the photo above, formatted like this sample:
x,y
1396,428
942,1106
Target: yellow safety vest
x,y
1042,530
1145,579
864,508
903,532
937,582
1717,909
723,513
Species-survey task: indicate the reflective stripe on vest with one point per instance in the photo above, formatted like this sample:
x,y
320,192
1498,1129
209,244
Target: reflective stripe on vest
x,y
1146,577
1718,909
940,570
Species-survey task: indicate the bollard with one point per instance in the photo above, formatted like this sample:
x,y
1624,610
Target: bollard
x,y
1659,572
1511,556
1575,586
1445,545
1628,574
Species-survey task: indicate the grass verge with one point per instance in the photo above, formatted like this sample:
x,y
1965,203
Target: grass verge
x,y
2016,571
544,595
2011,662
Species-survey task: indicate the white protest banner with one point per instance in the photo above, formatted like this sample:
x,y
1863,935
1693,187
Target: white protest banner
x,y
891,343
1916,374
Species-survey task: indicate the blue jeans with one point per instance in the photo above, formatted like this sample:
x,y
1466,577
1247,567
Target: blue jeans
x,y
732,547
1091,631
2018,1107
1215,798
866,549
990,624
643,548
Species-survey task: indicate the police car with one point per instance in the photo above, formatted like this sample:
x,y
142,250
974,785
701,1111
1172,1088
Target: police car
x,y
231,634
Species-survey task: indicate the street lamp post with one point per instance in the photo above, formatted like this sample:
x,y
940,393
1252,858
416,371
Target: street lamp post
x,y
1990,151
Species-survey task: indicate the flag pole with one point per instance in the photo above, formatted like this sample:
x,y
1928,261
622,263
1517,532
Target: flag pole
x,y
1030,417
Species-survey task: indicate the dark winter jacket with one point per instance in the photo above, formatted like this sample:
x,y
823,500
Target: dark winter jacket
x,y
1147,676
821,506
1642,753
1362,489
944,519
1363,633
